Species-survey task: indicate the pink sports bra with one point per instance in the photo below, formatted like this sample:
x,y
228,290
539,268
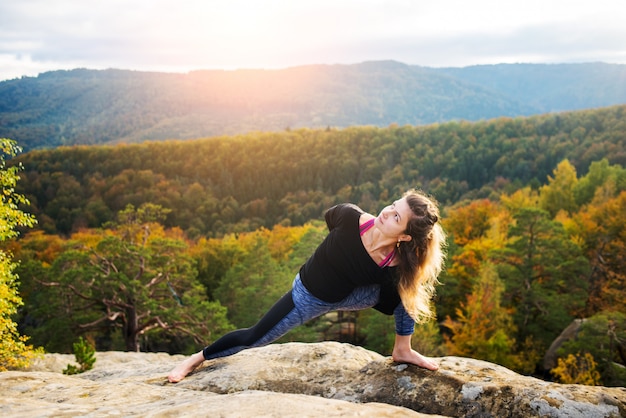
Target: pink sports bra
x,y
366,226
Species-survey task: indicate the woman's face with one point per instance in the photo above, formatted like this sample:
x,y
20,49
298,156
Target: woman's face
x,y
392,220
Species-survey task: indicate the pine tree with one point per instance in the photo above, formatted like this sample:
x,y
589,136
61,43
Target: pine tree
x,y
545,275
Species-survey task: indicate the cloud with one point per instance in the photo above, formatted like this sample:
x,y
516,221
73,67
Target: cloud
x,y
163,35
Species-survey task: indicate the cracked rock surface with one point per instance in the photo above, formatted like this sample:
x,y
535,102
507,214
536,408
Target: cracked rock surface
x,y
295,379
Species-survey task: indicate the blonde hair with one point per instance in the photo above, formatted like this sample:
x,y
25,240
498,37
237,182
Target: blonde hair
x,y
422,257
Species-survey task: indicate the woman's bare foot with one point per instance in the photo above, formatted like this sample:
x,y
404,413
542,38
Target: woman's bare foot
x,y
185,367
413,357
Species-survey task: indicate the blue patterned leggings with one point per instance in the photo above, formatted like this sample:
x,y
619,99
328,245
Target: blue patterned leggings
x,y
295,308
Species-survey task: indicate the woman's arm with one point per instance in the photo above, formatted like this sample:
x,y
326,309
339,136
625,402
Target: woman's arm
x,y
402,350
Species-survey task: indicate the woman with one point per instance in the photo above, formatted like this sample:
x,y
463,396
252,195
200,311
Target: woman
x,y
389,262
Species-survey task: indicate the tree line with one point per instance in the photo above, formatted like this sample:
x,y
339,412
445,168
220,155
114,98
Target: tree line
x,y
91,107
220,185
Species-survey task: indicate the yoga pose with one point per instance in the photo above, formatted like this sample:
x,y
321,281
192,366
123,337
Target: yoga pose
x,y
389,262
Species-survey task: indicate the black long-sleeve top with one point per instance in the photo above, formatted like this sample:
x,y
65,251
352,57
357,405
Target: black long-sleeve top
x,y
341,263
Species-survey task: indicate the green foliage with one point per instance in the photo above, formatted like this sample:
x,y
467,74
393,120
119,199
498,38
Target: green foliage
x,y
250,287
600,175
85,355
136,278
213,258
559,193
603,337
94,107
14,352
222,221
428,340
378,330
545,274
221,185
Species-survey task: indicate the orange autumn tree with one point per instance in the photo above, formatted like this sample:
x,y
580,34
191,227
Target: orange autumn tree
x,y
602,231
479,230
483,327
470,222
471,232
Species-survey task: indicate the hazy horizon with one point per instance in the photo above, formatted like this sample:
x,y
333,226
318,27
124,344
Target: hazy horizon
x,y
161,35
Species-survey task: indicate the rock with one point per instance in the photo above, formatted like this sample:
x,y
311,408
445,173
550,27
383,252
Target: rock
x,y
569,333
295,379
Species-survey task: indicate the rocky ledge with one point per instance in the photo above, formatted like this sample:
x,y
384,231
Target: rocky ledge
x,y
305,380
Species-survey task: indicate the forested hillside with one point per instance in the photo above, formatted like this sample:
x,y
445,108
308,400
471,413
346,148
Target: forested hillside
x,y
550,87
115,106
225,184
164,246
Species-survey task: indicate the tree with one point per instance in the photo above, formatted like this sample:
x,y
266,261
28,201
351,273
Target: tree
x,y
85,355
544,273
558,194
475,230
601,228
251,286
213,258
602,177
470,222
134,278
14,352
483,328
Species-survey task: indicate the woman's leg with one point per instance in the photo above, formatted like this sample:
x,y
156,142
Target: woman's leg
x,y
294,308
237,340
274,324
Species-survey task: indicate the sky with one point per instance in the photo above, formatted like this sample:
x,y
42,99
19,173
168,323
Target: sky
x,y
184,35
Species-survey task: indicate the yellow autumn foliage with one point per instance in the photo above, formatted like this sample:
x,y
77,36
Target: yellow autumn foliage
x,y
577,369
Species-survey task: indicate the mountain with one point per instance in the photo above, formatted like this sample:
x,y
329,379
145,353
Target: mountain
x,y
112,106
551,87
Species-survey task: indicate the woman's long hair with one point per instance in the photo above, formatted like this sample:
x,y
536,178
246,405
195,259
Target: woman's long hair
x,y
421,258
